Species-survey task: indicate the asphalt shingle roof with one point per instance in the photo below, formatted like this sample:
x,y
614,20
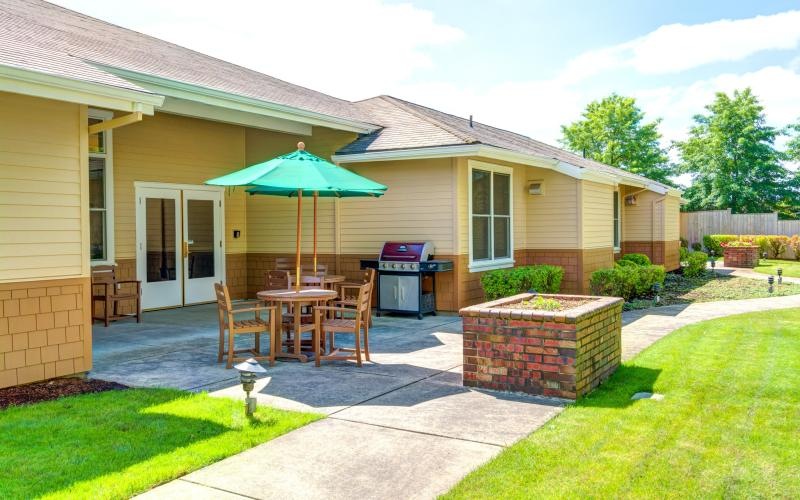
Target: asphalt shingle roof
x,y
43,37
409,126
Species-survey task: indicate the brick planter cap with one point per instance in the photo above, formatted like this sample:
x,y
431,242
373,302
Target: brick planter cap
x,y
495,309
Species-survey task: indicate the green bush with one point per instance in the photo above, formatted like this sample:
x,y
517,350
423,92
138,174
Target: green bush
x,y
637,258
696,264
506,282
626,281
777,244
712,242
684,254
625,263
697,246
684,243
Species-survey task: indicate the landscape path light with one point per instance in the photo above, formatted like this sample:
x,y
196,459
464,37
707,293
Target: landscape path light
x,y
771,281
656,289
780,275
248,373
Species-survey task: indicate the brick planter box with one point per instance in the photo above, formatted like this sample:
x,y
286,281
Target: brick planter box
x,y
562,354
741,256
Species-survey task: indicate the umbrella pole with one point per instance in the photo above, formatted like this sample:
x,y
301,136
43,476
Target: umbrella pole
x,y
315,232
299,233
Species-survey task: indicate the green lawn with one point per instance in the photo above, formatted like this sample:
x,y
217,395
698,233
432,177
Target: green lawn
x,y
681,290
727,427
118,443
770,266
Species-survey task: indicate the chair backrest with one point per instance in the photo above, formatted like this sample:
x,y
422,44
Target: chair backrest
x,y
223,297
311,281
284,264
104,274
365,299
276,280
321,268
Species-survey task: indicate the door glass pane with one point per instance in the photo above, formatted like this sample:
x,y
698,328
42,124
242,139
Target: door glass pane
x,y
97,234
200,231
480,238
502,194
481,191
502,237
161,232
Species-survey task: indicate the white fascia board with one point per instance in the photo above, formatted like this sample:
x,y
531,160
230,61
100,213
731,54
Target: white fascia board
x,y
195,109
35,83
218,98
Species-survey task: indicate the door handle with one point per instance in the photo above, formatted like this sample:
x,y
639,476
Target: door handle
x,y
185,249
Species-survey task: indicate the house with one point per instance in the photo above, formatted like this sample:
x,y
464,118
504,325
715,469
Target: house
x,y
107,135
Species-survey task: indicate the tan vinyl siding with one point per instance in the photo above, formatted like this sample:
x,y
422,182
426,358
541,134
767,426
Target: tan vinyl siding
x,y
552,218
638,220
417,206
598,215
41,189
180,150
672,207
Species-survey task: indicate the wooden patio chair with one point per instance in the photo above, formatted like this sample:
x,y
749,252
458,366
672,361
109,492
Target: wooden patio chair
x,y
332,320
284,264
348,292
276,280
256,326
309,269
109,291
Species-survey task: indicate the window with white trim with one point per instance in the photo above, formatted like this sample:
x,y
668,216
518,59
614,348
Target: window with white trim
x,y
490,213
101,192
617,222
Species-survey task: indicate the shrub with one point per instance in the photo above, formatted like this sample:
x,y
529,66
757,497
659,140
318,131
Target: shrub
x,y
684,243
697,247
506,282
624,263
637,258
777,244
628,282
713,242
794,244
684,254
696,264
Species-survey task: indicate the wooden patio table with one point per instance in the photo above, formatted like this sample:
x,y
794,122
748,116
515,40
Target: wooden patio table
x,y
311,296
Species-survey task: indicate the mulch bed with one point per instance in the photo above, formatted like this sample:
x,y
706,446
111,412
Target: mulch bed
x,y
53,389
564,304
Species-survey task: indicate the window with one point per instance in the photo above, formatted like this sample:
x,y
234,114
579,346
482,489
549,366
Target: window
x,y
101,193
491,228
617,225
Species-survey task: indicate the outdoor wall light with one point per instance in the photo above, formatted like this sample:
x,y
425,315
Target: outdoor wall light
x,y
656,289
248,373
771,281
780,275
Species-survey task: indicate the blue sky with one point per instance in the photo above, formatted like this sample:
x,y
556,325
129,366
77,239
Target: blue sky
x,y
528,66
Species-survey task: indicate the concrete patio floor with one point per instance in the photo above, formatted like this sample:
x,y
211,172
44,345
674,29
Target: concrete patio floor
x,y
405,415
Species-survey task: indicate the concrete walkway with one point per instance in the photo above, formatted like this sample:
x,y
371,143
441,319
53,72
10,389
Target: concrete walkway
x,y
415,440
749,273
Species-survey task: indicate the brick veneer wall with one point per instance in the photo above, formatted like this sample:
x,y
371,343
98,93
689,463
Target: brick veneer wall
x,y
45,330
741,256
561,354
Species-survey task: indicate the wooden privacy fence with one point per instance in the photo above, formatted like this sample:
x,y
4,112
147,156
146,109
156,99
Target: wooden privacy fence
x,y
695,225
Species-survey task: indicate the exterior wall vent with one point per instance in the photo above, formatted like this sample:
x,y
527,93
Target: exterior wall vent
x,y
536,188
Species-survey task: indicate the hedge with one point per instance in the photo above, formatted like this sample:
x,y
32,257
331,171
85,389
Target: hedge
x,y
695,264
774,244
506,282
626,281
637,258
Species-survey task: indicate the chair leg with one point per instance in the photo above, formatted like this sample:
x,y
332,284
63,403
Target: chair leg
x,y
138,309
316,337
358,347
231,349
366,341
258,344
221,344
105,312
273,335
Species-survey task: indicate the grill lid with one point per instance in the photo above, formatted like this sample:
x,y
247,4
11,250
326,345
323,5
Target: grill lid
x,y
405,251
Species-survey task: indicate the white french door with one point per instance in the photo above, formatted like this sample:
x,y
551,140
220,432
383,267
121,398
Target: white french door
x,y
179,247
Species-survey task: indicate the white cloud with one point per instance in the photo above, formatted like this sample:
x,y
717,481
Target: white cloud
x,y
678,47
344,48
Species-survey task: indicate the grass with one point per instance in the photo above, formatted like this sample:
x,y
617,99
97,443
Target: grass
x,y
791,268
118,443
681,290
726,428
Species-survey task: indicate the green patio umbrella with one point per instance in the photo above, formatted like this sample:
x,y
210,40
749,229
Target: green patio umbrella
x,y
293,174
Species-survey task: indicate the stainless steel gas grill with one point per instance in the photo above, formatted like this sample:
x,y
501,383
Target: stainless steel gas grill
x,y
406,277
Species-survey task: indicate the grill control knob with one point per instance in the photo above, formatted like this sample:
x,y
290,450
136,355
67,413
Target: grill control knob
x,y
402,266
394,266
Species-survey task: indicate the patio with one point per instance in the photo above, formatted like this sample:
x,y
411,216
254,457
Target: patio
x,y
414,362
